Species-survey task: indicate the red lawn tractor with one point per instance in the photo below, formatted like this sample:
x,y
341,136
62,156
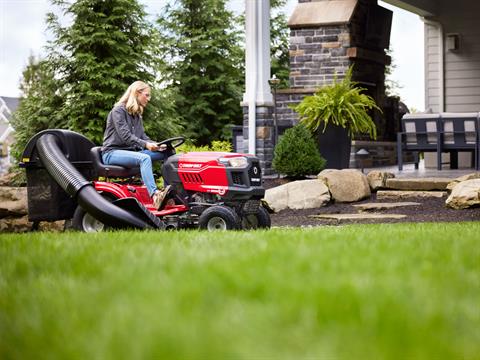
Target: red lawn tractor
x,y
211,190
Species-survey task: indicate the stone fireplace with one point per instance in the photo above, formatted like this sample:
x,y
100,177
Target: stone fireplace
x,y
326,38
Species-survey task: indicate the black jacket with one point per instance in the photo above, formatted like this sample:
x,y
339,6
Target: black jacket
x,y
124,131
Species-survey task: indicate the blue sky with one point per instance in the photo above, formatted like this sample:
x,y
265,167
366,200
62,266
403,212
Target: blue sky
x,y
22,32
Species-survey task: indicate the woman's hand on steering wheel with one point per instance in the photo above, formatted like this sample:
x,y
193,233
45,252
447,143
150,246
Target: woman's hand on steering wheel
x,y
152,146
171,143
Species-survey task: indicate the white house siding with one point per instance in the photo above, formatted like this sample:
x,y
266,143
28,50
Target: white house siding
x,y
462,67
432,67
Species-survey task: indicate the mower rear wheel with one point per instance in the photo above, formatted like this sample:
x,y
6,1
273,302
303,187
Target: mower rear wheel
x,y
219,218
259,220
83,221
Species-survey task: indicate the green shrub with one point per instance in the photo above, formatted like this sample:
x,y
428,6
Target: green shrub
x,y
216,145
297,155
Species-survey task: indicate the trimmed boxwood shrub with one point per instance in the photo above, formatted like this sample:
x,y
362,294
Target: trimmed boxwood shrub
x,y
297,155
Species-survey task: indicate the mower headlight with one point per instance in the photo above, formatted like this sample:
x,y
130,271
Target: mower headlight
x,y
234,161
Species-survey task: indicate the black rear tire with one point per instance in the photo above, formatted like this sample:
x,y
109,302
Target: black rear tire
x,y
219,218
83,221
259,220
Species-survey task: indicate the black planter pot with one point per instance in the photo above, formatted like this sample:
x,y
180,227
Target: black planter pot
x,y
334,145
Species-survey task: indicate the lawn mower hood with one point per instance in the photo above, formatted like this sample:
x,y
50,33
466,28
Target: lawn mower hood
x,y
232,176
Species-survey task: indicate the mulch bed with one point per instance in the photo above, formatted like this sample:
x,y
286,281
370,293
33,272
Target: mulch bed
x,y
429,210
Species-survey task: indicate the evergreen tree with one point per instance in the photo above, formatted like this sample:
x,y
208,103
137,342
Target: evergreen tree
x,y
279,43
107,46
38,108
205,63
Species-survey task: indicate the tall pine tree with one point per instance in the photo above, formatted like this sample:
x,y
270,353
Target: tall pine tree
x,y
39,107
279,43
205,66
107,46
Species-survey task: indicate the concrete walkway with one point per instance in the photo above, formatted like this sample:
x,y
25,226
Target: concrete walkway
x,y
410,172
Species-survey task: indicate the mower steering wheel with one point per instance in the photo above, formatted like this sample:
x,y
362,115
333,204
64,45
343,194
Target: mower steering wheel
x,y
172,143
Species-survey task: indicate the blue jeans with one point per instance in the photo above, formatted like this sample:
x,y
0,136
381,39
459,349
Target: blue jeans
x,y
131,159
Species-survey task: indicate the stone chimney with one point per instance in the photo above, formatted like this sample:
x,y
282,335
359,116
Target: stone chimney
x,y
328,36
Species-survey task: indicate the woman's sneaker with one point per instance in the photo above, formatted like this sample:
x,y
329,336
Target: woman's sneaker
x,y
160,196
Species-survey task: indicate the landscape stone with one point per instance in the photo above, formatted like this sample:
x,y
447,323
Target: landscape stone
x,y
302,194
52,226
13,201
420,184
398,194
357,216
464,195
378,179
8,178
277,198
383,206
454,182
14,210
21,224
346,185
15,224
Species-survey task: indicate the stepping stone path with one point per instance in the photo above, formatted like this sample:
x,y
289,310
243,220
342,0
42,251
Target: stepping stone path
x,y
383,206
395,189
418,184
403,194
363,212
417,187
341,217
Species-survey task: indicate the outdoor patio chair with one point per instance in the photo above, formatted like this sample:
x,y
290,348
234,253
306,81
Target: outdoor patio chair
x,y
459,132
420,133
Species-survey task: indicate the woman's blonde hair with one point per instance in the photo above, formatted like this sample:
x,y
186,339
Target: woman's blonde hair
x,y
129,98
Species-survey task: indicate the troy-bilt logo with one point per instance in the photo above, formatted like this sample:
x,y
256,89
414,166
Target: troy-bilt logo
x,y
190,166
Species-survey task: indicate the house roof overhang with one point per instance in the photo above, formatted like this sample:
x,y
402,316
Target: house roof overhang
x,y
425,8
312,14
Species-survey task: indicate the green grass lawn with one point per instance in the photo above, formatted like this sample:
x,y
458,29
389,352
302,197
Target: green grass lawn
x,y
368,291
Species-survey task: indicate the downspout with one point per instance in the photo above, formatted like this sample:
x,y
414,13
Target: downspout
x,y
441,63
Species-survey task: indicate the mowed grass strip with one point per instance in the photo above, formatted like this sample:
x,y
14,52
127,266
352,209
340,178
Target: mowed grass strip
x,y
361,291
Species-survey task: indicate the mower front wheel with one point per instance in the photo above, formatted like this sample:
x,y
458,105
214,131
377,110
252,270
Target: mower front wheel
x,y
259,220
219,218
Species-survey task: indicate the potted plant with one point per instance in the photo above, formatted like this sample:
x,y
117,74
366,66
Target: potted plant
x,y
335,113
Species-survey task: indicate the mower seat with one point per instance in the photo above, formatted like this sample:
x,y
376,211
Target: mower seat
x,y
110,170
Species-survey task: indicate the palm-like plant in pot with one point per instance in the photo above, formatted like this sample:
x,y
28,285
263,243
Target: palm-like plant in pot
x,y
336,113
